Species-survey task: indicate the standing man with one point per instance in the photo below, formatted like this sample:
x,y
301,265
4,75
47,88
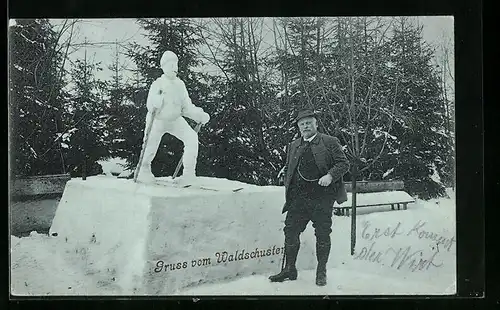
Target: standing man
x,y
315,166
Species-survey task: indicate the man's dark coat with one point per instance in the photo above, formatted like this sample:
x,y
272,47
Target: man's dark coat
x,y
329,158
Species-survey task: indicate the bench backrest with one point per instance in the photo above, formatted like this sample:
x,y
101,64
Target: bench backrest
x,y
379,199
375,186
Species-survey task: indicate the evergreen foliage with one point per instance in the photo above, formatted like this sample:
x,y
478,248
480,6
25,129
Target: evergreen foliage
x,y
36,100
373,80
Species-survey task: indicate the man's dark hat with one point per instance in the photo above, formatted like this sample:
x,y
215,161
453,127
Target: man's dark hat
x,y
305,113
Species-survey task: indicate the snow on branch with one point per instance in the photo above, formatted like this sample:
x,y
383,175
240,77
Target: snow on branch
x,y
387,173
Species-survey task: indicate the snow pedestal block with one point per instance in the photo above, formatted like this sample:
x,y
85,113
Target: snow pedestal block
x,y
156,240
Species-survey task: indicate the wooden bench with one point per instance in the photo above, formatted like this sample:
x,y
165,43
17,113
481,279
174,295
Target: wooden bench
x,y
395,199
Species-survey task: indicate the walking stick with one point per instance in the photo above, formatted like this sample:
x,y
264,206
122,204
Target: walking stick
x,y
179,164
283,261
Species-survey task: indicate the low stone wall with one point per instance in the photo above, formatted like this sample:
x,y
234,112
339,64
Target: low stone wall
x,y
38,185
33,202
32,215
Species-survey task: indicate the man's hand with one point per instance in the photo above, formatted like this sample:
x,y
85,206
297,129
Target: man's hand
x,y
325,180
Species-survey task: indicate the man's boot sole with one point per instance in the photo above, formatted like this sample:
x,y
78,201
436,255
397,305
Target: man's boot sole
x,y
285,279
292,278
321,282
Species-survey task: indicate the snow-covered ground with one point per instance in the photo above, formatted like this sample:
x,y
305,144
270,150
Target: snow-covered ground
x,y
417,256
397,252
112,166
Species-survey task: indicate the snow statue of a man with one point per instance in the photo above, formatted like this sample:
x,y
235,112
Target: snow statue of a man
x,y
168,101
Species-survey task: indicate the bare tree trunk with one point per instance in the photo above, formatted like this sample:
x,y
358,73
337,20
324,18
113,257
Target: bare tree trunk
x,y
255,47
358,55
284,69
257,93
340,38
84,167
354,174
318,36
448,130
278,50
302,54
318,50
243,53
214,59
60,78
445,89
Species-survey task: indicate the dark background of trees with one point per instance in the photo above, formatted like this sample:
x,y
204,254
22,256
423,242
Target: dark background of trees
x,y
375,82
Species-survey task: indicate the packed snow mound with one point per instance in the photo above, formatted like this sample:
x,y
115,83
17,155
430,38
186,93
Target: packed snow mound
x,y
140,237
397,252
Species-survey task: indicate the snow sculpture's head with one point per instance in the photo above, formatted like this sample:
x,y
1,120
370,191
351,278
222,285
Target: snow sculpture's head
x,y
168,64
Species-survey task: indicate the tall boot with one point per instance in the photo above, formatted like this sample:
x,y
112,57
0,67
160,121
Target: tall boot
x,y
290,271
322,253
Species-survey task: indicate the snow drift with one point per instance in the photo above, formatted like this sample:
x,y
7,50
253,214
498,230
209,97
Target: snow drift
x,y
150,239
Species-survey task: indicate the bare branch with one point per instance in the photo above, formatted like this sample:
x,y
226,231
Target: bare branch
x,y
386,135
214,58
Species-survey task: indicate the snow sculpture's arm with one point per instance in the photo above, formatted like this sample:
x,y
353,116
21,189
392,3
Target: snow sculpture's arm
x,y
189,109
153,103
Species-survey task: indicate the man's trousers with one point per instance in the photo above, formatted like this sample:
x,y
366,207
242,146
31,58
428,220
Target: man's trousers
x,y
304,209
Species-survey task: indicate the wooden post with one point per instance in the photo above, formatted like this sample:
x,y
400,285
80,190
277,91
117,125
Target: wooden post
x,y
85,135
84,167
353,207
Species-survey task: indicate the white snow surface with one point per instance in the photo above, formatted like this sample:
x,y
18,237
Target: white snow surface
x,y
113,165
426,231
